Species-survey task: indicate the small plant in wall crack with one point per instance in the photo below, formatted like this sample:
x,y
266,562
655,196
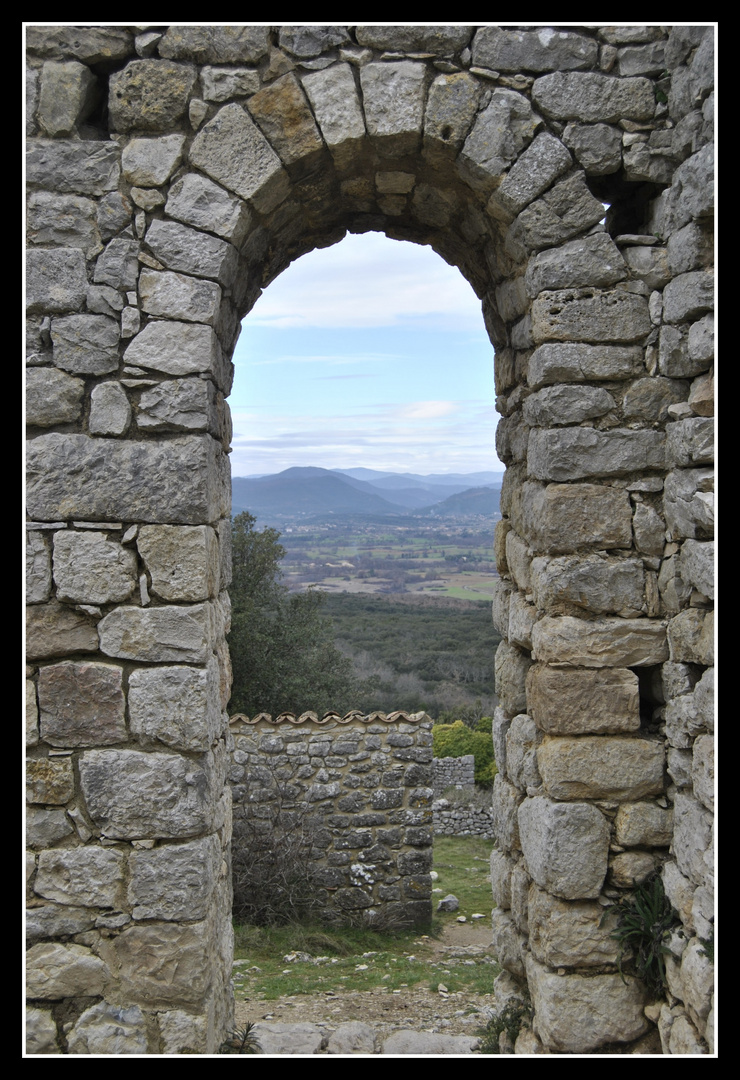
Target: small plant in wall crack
x,y
644,922
241,1041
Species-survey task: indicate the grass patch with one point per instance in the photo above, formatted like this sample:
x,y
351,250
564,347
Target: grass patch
x,y
462,863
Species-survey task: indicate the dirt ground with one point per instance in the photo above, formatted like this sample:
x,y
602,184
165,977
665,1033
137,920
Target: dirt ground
x,y
411,1007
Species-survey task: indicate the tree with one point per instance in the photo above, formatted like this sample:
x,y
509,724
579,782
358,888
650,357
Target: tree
x,y
282,649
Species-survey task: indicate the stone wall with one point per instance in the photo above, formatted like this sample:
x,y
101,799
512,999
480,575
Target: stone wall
x,y
462,819
173,172
362,786
453,772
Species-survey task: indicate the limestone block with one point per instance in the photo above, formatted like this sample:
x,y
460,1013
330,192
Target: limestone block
x,y
177,296
649,529
164,963
41,1032
91,568
393,100
151,162
538,50
690,442
114,213
521,621
689,504
175,882
38,567
81,704
67,165
85,344
191,251
118,265
178,706
562,518
506,944
575,1015
690,248
692,837
569,933
579,453
451,106
691,637
55,630
601,767
701,342
534,171
66,96
185,480
680,892
110,412
650,399
697,565
674,358
232,150
215,44
222,83
565,846
149,95
701,398
45,828
598,147
522,740
88,44
130,794
56,279
648,264
336,106
353,1037
49,780
500,132
501,868
563,212
556,405
593,98
504,806
703,770
285,119
569,701
32,715
644,824
182,1032
499,729
68,221
589,261
520,884
555,363
158,635
511,665
518,560
55,971
630,869
182,560
599,642
684,1038
589,315
502,592
591,582
688,296
88,876
197,201
109,1029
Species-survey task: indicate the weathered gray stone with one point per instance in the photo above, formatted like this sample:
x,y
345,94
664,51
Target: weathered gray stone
x,y
114,214
90,568
648,264
45,828
216,44
393,102
518,560
563,212
592,260
222,83
67,96
422,1042
55,630
692,837
150,162
181,634
703,770
598,147
85,344
109,1029
689,504
149,95
67,165
41,1032
451,106
690,442
175,348
697,565
185,479
197,201
563,404
506,943
52,397
177,296
178,706
522,740
165,963
596,584
579,453
649,529
573,362
650,399
576,1014
118,265
174,882
511,665
567,701
501,868
81,704
55,971
56,279
88,876
182,560
63,221
110,412
353,1037
440,40
593,98
32,715
688,296
544,49
521,620
562,518
191,251
569,933
232,150
565,846
49,780
589,315
295,138
499,134
538,166
504,807
598,643
130,794
336,106
183,1033
88,44
600,767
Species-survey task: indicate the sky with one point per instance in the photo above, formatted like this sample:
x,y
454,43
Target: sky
x,y
370,353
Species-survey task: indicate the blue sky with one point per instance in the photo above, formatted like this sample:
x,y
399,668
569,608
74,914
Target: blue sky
x,y
369,353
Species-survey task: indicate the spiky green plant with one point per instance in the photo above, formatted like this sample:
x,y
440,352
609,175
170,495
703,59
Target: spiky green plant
x,y
644,921
241,1041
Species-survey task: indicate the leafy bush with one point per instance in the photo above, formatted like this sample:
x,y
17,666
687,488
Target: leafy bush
x,y
457,740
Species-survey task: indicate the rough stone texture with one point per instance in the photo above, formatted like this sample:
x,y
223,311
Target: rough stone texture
x,y
589,315
149,95
189,869
81,704
177,706
572,701
41,1032
565,846
599,642
85,344
89,876
592,260
82,167
644,824
52,397
539,50
158,634
562,518
593,98
182,560
571,933
554,363
501,131
600,767
592,583
55,280
53,630
55,971
110,411
563,212
109,1029
92,568
197,201
63,221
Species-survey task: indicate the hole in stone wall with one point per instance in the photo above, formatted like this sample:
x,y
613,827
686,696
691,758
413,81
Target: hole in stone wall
x,y
628,202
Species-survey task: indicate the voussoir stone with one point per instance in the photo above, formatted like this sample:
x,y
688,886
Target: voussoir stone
x,y
149,95
601,767
130,794
575,701
451,106
197,201
563,212
393,101
565,845
81,704
283,114
150,162
501,131
596,643
336,106
178,706
532,173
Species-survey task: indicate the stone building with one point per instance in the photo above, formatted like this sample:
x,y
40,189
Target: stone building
x,y
173,172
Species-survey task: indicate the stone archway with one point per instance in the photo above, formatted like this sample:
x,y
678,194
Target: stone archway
x,y
173,173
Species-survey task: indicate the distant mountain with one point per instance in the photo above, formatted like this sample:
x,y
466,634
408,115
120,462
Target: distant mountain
x,y
478,500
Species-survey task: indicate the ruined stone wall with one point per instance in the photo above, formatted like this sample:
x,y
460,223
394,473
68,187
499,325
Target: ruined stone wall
x,y
173,172
453,772
362,788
